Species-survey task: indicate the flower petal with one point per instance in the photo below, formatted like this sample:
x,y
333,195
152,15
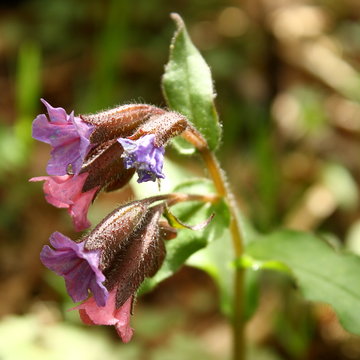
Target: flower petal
x,y
57,189
92,314
68,135
66,192
143,155
123,327
62,157
78,266
78,211
57,115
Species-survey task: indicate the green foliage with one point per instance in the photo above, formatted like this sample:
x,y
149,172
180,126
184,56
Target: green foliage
x,y
188,88
27,89
217,260
248,262
18,138
104,85
43,340
322,274
189,241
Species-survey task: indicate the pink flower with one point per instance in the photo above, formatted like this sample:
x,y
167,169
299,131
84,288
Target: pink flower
x,y
66,192
92,314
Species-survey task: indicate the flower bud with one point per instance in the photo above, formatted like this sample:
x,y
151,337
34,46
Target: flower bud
x,y
164,127
119,122
141,257
112,233
106,168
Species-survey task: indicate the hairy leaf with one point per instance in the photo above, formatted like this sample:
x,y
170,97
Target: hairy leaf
x,y
188,88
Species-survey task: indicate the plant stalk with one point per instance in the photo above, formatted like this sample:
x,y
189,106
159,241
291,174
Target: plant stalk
x,y
223,190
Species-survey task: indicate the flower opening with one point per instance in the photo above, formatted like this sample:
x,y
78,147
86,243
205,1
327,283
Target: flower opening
x,y
67,134
92,314
78,266
144,156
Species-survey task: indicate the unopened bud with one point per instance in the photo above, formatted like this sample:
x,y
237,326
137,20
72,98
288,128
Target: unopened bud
x,y
106,168
112,233
140,258
164,127
119,122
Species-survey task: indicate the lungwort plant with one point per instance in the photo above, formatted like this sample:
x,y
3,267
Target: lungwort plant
x,y
142,242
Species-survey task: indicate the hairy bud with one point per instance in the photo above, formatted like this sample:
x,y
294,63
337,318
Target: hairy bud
x,y
112,233
141,257
119,122
106,168
164,127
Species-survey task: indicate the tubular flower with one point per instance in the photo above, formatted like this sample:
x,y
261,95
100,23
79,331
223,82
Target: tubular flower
x,y
78,266
144,156
143,131
103,169
140,257
102,152
67,134
112,260
131,249
66,192
92,314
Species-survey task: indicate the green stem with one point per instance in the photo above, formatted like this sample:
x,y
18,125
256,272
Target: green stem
x,y
223,190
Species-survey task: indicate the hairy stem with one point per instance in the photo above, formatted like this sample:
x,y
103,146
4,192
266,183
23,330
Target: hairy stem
x,y
175,198
223,190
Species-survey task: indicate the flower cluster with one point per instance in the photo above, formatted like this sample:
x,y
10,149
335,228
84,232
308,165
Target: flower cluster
x,y
90,153
98,152
110,262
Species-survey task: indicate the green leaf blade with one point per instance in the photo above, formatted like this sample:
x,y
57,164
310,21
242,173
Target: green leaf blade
x,y
322,274
188,88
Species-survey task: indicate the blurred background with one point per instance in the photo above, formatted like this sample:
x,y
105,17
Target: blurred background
x,y
288,90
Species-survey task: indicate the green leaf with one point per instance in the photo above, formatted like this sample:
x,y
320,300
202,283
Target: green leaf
x,y
188,88
322,274
248,262
217,260
187,241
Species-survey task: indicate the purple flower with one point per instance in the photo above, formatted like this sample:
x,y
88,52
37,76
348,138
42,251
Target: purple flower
x,y
79,267
144,156
67,134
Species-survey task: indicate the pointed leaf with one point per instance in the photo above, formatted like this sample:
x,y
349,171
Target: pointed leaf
x,y
188,88
178,224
